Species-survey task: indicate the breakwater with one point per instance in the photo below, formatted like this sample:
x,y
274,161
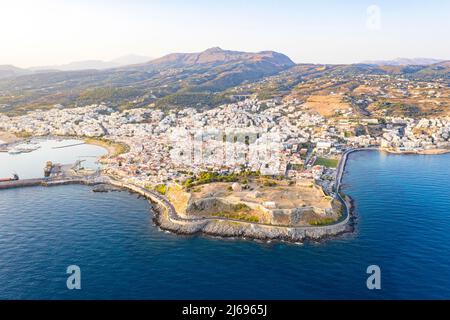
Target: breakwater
x,y
21,183
48,182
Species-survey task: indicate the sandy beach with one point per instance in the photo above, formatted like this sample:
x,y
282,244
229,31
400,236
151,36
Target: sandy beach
x,y
114,148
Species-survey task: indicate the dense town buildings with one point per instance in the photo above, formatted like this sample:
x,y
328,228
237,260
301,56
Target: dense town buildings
x,y
275,138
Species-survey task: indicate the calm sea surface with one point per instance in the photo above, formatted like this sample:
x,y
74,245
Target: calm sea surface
x,y
31,165
403,226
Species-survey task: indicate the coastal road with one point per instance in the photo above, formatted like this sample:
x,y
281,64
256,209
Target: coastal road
x,y
340,173
343,162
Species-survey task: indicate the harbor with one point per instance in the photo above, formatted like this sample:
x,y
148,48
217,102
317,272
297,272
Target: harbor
x,y
55,174
30,145
64,155
54,171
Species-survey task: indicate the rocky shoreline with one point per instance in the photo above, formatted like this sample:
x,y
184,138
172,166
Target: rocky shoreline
x,y
239,229
167,219
218,227
225,229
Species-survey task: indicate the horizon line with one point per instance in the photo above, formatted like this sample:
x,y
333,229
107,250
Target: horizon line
x,y
362,61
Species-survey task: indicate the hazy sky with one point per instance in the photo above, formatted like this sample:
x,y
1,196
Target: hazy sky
x,y
46,32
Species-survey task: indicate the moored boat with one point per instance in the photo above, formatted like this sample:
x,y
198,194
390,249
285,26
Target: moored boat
x,y
15,177
24,148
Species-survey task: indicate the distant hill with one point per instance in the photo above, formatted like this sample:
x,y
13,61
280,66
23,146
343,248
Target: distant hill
x,y
78,65
404,62
215,69
441,69
189,79
201,80
218,56
11,71
94,64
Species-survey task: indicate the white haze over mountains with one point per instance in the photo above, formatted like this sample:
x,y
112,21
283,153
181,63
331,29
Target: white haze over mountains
x,y
404,62
96,64
7,71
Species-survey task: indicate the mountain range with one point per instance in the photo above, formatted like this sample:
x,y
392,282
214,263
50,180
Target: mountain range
x,y
95,64
187,75
203,79
8,71
215,56
12,71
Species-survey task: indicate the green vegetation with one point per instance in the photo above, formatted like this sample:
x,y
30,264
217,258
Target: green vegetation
x,y
241,207
329,163
239,211
210,176
23,134
242,217
161,189
322,222
296,166
269,183
242,177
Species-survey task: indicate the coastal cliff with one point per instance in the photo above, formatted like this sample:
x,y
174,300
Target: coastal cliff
x,y
235,229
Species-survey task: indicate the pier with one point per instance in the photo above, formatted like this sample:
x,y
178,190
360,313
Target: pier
x,y
49,182
21,183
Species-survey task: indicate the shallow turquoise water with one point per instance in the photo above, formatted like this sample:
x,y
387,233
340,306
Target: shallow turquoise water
x,y
403,208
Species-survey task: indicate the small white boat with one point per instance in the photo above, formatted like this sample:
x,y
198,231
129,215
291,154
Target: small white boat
x,y
14,151
24,148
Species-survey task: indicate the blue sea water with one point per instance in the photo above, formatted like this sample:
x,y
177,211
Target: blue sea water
x,y
403,209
